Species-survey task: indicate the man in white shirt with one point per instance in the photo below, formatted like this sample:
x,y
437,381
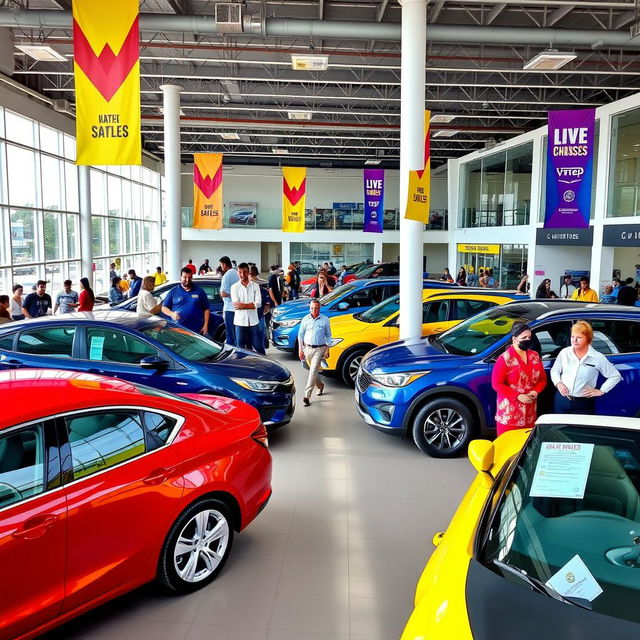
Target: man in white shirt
x,y
566,288
229,278
247,299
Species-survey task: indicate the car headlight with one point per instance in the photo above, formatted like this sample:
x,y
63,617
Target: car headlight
x,y
397,379
335,341
263,386
276,312
285,324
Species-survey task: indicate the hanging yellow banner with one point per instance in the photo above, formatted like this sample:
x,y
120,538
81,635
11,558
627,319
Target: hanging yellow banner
x,y
419,196
106,67
207,191
294,188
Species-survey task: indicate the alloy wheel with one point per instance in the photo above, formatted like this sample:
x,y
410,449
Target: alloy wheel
x,y
444,428
354,365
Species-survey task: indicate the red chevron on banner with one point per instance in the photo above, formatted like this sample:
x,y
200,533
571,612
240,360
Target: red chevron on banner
x,y
207,185
293,195
427,152
107,71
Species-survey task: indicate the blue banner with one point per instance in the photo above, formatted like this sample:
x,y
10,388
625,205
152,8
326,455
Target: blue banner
x,y
373,200
570,151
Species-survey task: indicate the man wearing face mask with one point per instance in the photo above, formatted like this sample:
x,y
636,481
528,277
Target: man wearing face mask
x,y
518,378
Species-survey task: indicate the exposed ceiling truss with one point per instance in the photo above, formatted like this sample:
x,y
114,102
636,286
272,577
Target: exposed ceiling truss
x,y
244,84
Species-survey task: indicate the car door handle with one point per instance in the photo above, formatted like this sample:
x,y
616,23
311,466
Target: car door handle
x,y
158,476
97,372
36,526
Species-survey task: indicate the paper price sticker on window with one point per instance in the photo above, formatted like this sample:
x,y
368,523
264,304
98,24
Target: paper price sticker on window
x,y
574,580
96,348
562,470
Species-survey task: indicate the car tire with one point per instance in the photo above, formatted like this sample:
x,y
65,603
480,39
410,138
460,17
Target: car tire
x,y
443,427
205,525
350,365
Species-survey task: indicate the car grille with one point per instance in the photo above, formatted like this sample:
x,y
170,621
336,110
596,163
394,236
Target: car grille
x,y
363,381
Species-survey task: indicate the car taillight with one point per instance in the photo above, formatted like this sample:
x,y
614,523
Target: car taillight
x,y
260,436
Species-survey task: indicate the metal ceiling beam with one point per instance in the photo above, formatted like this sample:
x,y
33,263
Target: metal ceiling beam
x,y
495,12
432,14
382,9
624,18
558,14
179,7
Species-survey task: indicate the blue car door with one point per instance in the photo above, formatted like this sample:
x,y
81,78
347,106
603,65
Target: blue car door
x,y
117,353
43,347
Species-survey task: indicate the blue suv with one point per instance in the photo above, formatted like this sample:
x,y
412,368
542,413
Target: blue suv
x,y
150,351
356,296
437,390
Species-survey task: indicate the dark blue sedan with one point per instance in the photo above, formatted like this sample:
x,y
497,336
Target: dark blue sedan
x,y
150,351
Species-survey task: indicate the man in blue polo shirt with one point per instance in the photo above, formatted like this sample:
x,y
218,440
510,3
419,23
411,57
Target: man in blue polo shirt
x,y
188,305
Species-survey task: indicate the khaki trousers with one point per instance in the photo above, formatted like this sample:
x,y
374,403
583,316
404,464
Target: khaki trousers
x,y
314,360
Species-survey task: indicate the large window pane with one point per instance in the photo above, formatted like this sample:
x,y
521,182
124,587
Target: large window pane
x,y
471,180
115,196
50,140
70,148
624,195
5,238
24,181
53,235
54,275
4,191
517,185
23,236
72,236
492,190
21,129
98,194
71,184
115,236
52,183
97,234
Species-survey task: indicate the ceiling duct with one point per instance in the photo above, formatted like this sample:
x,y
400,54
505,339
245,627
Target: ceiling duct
x,y
228,17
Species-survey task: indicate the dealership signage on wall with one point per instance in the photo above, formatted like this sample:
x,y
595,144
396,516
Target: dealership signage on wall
x,y
621,235
492,249
565,237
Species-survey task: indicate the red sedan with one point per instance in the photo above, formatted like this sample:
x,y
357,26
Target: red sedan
x,y
105,486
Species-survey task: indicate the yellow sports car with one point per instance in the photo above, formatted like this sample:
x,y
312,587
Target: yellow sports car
x,y
546,541
355,335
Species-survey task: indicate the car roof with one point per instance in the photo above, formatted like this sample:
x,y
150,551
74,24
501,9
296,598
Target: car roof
x,y
106,316
38,393
559,307
590,421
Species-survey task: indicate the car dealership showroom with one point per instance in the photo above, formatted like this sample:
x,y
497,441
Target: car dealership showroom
x,y
319,319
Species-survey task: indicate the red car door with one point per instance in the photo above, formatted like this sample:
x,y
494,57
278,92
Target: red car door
x,y
32,531
121,502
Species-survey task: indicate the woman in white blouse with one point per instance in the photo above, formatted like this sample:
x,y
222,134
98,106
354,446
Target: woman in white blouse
x,y
147,305
575,373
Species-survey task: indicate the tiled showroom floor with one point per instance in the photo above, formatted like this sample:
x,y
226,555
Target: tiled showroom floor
x,y
335,555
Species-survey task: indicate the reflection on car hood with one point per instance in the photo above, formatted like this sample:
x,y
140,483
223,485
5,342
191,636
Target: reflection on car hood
x,y
240,363
409,355
292,309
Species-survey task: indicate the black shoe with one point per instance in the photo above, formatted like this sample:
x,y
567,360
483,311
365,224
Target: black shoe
x,y
321,389
306,402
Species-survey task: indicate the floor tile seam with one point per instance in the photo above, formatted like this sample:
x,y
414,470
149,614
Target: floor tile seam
x,y
275,593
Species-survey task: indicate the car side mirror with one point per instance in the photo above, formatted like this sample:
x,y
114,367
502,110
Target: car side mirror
x,y
437,538
481,455
154,362
343,306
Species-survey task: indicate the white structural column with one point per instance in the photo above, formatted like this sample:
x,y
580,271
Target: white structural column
x,y
86,235
414,45
173,223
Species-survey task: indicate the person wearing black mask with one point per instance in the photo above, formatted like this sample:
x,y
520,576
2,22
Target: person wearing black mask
x,y
518,378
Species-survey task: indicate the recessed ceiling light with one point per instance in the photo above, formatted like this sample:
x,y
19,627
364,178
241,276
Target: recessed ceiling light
x,y
229,135
300,115
279,152
445,133
441,118
41,52
309,63
550,60
372,161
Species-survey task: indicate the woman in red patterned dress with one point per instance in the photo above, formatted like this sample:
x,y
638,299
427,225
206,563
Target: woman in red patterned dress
x,y
518,378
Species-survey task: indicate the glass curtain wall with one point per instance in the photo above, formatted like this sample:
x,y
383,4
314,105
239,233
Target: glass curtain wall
x,y
624,194
497,189
339,254
40,216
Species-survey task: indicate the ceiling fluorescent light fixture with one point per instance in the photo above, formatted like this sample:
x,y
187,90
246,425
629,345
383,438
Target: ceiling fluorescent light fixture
x,y
279,152
309,63
229,135
41,52
550,60
440,118
300,115
372,161
445,133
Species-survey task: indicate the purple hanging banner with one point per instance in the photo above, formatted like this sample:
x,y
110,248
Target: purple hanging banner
x,y
373,200
569,168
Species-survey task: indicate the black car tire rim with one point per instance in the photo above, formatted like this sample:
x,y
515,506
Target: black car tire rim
x,y
444,428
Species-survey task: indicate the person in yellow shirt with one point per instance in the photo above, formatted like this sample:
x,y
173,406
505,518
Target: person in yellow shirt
x,y
124,285
584,293
159,276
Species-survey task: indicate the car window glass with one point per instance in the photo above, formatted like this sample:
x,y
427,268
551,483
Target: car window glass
x,y
213,292
389,291
435,311
102,440
21,465
552,338
616,336
393,270
463,309
159,429
54,341
110,345
6,342
184,343
361,298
